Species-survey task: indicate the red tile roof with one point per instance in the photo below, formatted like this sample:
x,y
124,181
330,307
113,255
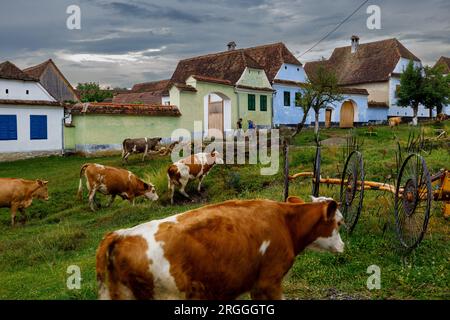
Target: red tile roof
x,y
138,97
445,63
372,62
124,108
154,86
376,104
211,79
359,91
10,71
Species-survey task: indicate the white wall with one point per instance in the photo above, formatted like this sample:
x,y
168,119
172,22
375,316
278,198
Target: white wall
x,y
291,72
17,90
23,142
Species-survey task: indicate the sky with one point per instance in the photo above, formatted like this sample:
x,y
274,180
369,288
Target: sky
x,y
125,42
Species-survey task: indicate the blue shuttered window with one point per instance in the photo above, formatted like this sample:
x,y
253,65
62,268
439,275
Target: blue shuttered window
x,y
38,127
8,127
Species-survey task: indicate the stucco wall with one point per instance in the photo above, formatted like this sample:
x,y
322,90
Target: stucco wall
x,y
378,91
254,78
282,114
291,72
259,118
17,90
23,142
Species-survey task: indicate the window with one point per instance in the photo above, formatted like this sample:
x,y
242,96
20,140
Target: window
x,y
397,88
251,102
287,98
263,103
298,69
298,96
38,127
8,127
285,67
7,91
27,91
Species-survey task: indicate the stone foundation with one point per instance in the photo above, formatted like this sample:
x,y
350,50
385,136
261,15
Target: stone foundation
x,y
13,156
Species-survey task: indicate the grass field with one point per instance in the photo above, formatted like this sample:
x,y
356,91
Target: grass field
x,y
63,231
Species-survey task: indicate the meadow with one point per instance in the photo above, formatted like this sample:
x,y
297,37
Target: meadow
x,y
61,232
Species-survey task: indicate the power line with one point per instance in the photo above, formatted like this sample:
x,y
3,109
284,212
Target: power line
x,y
335,28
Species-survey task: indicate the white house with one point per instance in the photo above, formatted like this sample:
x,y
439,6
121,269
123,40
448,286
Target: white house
x,y
30,118
444,62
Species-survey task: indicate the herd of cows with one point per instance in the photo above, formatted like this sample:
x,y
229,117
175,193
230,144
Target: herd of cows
x,y
218,251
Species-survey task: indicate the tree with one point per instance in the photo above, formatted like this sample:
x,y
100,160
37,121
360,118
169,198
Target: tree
x,y
318,92
411,91
91,92
436,89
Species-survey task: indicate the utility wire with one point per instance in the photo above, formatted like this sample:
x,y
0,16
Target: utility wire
x,y
335,28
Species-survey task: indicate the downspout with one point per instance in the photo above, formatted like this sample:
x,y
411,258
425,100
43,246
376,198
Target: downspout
x,y
272,111
63,120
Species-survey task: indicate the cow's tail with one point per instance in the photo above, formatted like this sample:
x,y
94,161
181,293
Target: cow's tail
x,y
80,185
103,264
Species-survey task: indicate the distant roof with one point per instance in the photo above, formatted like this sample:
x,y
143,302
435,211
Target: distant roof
x,y
141,97
271,57
151,86
10,71
372,62
124,108
31,102
445,62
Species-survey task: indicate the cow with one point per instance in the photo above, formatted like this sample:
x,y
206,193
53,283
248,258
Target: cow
x,y
441,117
114,182
216,252
394,121
195,166
139,145
18,194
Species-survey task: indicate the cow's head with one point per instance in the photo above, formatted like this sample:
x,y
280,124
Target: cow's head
x,y
214,158
327,237
150,191
42,190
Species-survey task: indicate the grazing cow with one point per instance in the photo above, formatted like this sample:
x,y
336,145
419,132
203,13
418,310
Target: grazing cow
x,y
18,194
441,117
140,145
193,167
218,251
394,121
114,182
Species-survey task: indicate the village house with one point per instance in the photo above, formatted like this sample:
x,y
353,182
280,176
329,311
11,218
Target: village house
x,y
375,67
52,79
30,117
445,63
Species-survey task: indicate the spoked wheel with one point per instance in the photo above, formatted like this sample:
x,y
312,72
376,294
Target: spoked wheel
x,y
412,201
352,189
316,174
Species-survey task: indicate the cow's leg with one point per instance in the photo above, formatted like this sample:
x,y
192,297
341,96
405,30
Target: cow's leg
x,y
125,157
13,214
200,180
23,215
183,185
267,291
111,200
92,203
171,190
145,152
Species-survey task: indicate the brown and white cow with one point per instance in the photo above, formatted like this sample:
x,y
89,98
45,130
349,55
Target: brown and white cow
x,y
18,194
218,251
394,121
114,182
139,145
196,166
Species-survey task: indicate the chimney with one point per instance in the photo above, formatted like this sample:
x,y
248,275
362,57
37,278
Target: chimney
x,y
231,45
355,43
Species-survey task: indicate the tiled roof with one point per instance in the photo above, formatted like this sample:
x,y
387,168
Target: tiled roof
x,y
10,71
135,97
123,108
376,104
31,102
445,62
271,57
185,87
211,79
154,86
372,62
289,83
254,88
359,91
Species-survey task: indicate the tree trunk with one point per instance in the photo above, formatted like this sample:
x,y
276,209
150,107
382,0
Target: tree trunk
x,y
316,123
431,113
415,111
439,109
301,124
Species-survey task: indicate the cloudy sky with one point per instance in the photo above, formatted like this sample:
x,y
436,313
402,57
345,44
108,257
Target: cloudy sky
x,y
122,42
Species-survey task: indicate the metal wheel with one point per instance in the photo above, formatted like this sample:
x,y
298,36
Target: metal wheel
x,y
412,201
352,189
316,174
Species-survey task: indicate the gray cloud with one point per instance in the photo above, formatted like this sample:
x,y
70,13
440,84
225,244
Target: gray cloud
x,y
124,42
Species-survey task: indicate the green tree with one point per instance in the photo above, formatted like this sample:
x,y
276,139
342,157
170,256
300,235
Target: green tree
x,y
318,92
91,92
411,91
436,89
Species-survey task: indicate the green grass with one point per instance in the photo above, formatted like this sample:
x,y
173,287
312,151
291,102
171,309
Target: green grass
x,y
63,231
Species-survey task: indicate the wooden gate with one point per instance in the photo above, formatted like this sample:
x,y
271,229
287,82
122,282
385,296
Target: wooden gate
x,y
215,115
328,118
347,115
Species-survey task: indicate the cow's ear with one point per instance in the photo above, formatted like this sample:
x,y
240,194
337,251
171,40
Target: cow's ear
x,y
330,210
292,199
